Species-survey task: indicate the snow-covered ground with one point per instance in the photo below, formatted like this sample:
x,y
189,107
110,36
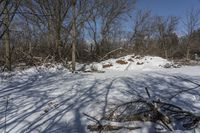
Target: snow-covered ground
x,y
53,100
130,62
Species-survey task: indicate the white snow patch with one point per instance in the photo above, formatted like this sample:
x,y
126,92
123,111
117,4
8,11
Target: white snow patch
x,y
146,63
54,100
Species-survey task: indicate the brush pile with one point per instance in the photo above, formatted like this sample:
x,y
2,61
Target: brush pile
x,y
170,117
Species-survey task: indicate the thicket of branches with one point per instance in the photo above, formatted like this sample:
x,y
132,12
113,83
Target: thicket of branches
x,y
35,31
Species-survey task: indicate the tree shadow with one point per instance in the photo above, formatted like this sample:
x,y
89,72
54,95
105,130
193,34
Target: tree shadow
x,y
55,102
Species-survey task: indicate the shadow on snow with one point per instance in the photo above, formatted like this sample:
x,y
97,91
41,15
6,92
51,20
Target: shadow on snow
x,y
71,95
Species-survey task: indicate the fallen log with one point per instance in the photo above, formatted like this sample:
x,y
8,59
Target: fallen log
x,y
97,127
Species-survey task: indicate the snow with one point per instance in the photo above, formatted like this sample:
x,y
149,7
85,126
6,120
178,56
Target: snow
x,y
146,63
53,100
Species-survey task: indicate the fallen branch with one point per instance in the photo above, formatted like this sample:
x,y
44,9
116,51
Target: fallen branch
x,y
109,128
155,111
92,118
111,52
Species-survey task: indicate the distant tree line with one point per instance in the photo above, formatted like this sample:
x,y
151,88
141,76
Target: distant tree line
x,y
39,31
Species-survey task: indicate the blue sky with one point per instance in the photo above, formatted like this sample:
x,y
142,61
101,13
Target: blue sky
x,y
177,8
168,7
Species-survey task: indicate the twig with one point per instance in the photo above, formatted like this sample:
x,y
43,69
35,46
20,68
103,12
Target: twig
x,y
128,66
92,118
46,59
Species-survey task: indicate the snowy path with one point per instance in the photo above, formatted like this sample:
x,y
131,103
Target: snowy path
x,y
54,102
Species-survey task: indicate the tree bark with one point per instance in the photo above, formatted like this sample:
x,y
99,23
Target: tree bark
x,y
58,30
74,36
188,53
7,40
166,54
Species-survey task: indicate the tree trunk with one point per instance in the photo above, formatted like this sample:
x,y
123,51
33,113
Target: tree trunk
x,y
74,36
49,37
58,30
165,49
188,53
166,54
188,47
7,40
58,43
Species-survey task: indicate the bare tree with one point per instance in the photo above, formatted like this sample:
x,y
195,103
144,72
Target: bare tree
x,y
7,39
165,28
74,36
191,24
105,17
10,5
7,14
50,16
142,30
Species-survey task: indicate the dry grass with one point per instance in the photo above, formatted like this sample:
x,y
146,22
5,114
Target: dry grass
x,y
122,62
107,65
